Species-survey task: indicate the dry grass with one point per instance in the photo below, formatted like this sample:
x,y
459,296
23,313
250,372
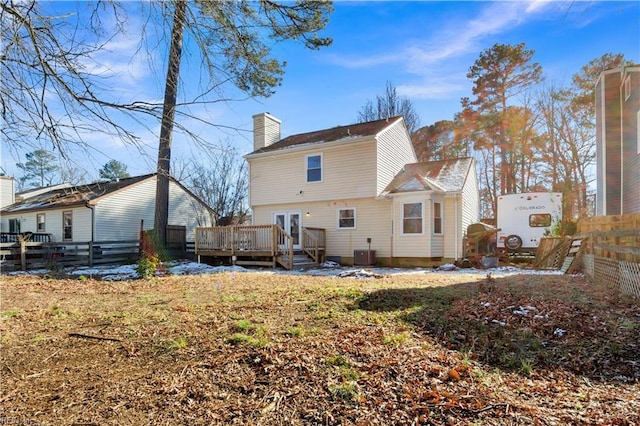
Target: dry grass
x,y
284,350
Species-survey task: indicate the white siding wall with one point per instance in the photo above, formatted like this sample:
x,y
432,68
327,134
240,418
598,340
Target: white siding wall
x,y
186,211
394,150
6,191
81,222
348,171
373,220
118,216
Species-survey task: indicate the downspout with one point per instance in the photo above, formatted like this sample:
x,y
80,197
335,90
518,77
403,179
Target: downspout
x,y
93,221
93,231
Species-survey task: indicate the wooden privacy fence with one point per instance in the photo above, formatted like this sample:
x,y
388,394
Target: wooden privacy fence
x,y
611,250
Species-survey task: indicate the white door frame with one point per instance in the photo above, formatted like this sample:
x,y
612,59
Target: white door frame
x,y
289,219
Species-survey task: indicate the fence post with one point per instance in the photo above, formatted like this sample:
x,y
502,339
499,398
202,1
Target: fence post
x,y
91,253
23,255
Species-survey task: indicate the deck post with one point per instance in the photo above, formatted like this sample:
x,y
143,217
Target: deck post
x,y
23,254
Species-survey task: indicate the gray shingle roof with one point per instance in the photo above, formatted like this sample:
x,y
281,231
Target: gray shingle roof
x,y
442,175
346,133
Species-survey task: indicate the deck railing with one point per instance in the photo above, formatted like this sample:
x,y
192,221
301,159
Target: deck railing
x,y
237,238
285,243
313,243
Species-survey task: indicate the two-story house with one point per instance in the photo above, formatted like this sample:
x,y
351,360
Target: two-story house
x,y
363,186
617,102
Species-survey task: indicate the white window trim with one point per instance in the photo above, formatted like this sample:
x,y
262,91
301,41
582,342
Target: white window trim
x,y
355,219
433,217
306,168
44,222
402,218
63,225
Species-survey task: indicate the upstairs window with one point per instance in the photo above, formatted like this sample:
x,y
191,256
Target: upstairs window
x,y
412,218
627,88
67,229
40,221
346,218
437,218
314,168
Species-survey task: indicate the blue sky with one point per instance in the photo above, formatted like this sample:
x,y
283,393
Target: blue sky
x,y
423,48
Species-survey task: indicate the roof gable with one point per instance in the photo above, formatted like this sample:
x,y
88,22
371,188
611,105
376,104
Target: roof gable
x,y
441,175
340,133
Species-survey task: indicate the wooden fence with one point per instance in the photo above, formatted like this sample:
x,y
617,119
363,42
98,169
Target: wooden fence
x,y
611,250
25,255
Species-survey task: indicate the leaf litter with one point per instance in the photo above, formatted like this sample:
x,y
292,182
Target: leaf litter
x,y
262,349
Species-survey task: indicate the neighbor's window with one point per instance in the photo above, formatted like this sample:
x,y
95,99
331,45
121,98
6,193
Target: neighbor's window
x,y
627,88
539,220
412,218
67,222
314,168
40,222
437,218
14,226
346,218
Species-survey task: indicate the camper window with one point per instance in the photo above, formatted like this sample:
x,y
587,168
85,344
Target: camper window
x,y
540,220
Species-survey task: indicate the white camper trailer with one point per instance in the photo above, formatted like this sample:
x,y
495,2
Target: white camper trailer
x,y
525,218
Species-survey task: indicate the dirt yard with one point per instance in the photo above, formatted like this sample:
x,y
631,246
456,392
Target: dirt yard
x,y
263,349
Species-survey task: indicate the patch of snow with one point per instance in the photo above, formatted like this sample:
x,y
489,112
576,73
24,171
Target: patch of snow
x,y
331,269
501,323
559,332
447,267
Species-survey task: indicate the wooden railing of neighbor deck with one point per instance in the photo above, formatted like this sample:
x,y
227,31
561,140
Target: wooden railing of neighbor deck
x,y
611,250
258,245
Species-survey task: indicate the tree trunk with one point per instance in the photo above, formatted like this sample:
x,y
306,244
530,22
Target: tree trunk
x,y
166,129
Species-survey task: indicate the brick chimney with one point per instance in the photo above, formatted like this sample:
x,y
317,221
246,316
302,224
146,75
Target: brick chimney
x,y
266,130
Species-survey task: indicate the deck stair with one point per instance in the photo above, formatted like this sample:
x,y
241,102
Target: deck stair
x,y
301,260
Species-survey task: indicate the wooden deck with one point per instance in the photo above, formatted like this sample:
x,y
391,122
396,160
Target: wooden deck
x,y
259,245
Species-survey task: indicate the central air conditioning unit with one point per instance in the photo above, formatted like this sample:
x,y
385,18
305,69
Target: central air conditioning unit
x,y
364,257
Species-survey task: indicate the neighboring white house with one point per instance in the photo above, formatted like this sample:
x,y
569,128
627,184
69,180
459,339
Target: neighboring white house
x,y
102,211
363,185
618,141
7,196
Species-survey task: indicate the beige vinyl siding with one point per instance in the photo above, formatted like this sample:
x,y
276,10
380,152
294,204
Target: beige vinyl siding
x,y
470,200
451,231
411,245
394,150
373,220
348,171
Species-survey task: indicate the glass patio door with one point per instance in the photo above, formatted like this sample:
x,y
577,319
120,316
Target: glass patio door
x,y
290,222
